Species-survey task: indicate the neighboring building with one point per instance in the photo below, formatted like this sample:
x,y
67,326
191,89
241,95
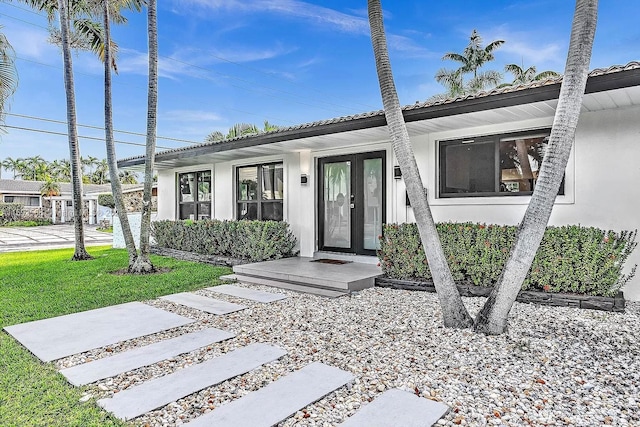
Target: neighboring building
x,y
60,208
335,183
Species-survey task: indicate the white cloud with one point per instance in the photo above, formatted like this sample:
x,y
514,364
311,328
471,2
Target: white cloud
x,y
31,43
191,116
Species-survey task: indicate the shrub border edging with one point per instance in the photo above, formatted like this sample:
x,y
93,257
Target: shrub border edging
x,y
613,304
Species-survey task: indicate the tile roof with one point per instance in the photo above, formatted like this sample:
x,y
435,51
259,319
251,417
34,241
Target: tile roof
x,y
523,88
33,187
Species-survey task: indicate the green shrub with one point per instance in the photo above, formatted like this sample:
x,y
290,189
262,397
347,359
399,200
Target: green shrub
x,y
10,212
107,200
247,240
570,259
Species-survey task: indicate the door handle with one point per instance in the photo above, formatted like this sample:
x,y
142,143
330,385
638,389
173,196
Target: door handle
x,y
352,203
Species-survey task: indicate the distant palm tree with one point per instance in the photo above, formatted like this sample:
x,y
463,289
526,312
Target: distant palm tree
x,y
240,129
50,188
13,165
522,76
8,74
127,177
471,59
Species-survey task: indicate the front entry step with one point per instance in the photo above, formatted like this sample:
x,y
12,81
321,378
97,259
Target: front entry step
x,y
158,392
398,408
278,400
313,290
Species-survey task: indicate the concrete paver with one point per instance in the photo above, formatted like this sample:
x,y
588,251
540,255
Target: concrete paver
x,y
280,399
206,304
87,373
398,408
62,336
246,293
158,392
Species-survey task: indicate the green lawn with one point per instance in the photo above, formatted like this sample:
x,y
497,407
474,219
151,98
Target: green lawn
x,y
43,284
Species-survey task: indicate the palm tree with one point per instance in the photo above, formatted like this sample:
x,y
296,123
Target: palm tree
x,y
492,319
101,173
34,168
50,188
471,59
8,74
523,76
127,177
453,310
13,165
110,164
143,262
240,129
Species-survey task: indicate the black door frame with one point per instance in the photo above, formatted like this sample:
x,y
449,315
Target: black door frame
x,y
356,197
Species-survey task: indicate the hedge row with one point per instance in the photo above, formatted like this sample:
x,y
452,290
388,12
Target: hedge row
x,y
247,240
571,259
10,212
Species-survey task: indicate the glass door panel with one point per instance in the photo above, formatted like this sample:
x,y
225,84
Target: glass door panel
x,y
337,204
372,221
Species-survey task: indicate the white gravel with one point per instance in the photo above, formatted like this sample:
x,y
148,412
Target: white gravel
x,y
556,366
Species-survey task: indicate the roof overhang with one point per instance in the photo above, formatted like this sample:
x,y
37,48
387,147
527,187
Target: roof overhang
x,y
617,89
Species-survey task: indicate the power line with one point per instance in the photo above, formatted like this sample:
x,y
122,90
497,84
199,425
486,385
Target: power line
x,y
80,136
100,128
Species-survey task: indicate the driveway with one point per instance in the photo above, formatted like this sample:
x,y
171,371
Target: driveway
x,y
13,239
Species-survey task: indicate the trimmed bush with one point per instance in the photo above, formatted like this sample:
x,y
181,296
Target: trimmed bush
x,y
246,240
107,200
571,259
10,212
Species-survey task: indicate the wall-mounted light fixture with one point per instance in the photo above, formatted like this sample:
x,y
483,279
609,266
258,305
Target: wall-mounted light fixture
x,y
397,173
304,179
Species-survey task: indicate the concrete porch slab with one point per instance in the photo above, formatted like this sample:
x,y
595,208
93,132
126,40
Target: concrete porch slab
x,y
142,356
278,400
155,393
353,276
206,304
62,336
398,408
246,293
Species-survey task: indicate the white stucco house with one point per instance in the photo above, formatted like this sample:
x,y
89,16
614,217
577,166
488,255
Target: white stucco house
x,y
335,183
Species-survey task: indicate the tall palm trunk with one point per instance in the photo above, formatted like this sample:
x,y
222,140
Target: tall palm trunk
x,y
116,188
143,263
492,319
74,151
453,310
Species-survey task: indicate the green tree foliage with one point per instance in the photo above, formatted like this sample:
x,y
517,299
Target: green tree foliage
x,y
238,130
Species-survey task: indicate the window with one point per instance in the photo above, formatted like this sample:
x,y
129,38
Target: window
x,y
260,192
27,201
194,198
499,165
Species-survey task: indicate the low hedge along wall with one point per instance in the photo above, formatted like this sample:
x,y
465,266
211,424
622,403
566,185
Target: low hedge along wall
x,y
247,240
571,259
10,212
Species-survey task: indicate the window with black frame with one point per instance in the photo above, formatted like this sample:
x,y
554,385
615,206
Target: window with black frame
x,y
194,195
260,192
498,165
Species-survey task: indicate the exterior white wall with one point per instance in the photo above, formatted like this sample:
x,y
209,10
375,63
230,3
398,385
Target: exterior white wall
x,y
600,184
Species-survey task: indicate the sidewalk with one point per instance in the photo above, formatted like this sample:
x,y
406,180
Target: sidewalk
x,y
14,239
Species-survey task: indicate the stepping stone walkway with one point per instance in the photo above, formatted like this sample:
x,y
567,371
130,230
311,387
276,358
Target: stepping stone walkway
x,y
206,304
278,400
62,336
158,392
142,356
247,293
398,408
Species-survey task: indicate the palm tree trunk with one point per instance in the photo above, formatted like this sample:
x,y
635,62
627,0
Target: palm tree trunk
x,y
116,188
143,263
74,151
454,313
492,319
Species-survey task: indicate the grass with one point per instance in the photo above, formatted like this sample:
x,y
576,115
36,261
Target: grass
x,y
43,284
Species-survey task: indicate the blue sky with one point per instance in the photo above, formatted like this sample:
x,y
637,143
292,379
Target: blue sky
x,y
285,61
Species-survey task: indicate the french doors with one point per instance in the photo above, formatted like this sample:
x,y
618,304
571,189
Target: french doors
x,y
351,202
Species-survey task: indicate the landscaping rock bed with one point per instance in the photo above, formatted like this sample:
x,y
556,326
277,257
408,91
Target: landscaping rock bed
x,y
616,303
